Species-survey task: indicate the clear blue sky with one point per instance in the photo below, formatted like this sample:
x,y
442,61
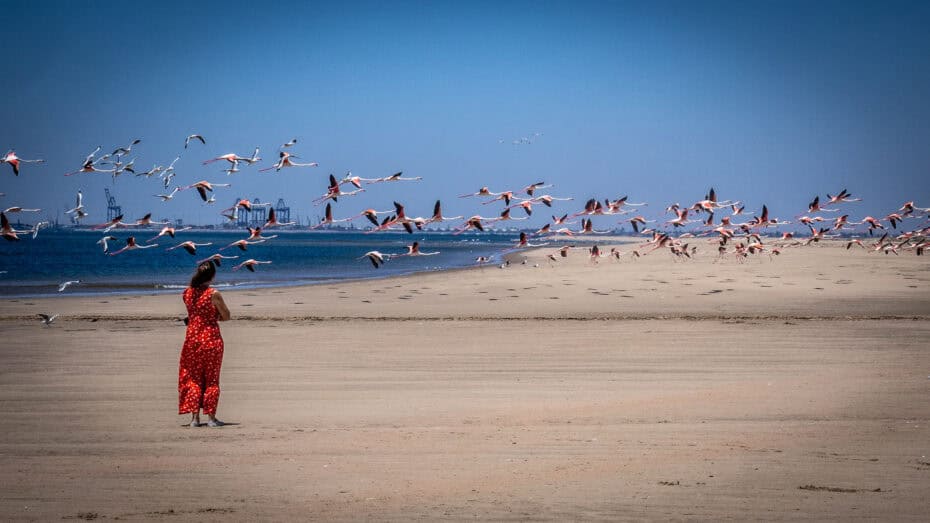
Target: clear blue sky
x,y
769,102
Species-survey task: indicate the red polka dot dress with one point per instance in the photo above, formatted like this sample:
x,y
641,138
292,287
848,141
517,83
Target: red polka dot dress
x,y
202,355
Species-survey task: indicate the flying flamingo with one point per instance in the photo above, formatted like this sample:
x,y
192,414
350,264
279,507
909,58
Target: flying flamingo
x,y
616,206
814,206
328,218
189,246
484,191
414,250
203,186
333,192
531,188
234,160
524,242
132,245
273,220
587,227
217,259
842,197
472,223
6,230
636,221
505,215
284,160
250,264
167,231
256,234
547,200
506,196
243,245
709,203
437,214
15,209
146,220
394,178
14,161
112,224
90,163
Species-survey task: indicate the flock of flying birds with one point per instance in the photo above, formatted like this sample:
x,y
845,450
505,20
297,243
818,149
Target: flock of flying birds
x,y
726,224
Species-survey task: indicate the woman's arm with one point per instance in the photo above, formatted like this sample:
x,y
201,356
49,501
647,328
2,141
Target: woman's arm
x,y
220,305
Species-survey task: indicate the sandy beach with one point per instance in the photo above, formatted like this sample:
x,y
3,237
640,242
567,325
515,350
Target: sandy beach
x,y
788,387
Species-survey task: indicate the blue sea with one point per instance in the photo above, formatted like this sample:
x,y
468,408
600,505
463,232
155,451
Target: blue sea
x,y
35,267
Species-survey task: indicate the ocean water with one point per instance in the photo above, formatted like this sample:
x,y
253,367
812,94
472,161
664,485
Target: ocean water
x,y
35,267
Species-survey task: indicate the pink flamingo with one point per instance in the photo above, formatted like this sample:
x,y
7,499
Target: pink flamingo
x,y
132,245
189,246
284,160
250,264
14,161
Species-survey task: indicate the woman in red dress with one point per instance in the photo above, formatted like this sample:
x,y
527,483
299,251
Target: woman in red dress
x,y
202,355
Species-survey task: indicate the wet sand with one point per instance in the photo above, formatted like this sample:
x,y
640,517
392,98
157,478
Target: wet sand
x,y
785,388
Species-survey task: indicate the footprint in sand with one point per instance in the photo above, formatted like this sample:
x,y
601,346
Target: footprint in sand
x,y
712,291
246,305
443,294
298,303
366,301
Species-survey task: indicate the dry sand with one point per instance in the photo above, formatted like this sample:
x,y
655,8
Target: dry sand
x,y
785,388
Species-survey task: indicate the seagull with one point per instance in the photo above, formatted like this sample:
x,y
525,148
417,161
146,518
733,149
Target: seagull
x,y
78,205
47,320
65,285
103,241
166,197
12,210
14,161
376,258
122,151
194,137
37,226
290,143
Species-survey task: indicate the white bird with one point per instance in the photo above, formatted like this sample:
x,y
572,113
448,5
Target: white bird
x,y
376,258
194,137
166,197
65,285
37,226
47,320
290,143
78,205
11,210
103,241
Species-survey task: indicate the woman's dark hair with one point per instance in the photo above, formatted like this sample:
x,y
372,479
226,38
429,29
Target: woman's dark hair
x,y
205,273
